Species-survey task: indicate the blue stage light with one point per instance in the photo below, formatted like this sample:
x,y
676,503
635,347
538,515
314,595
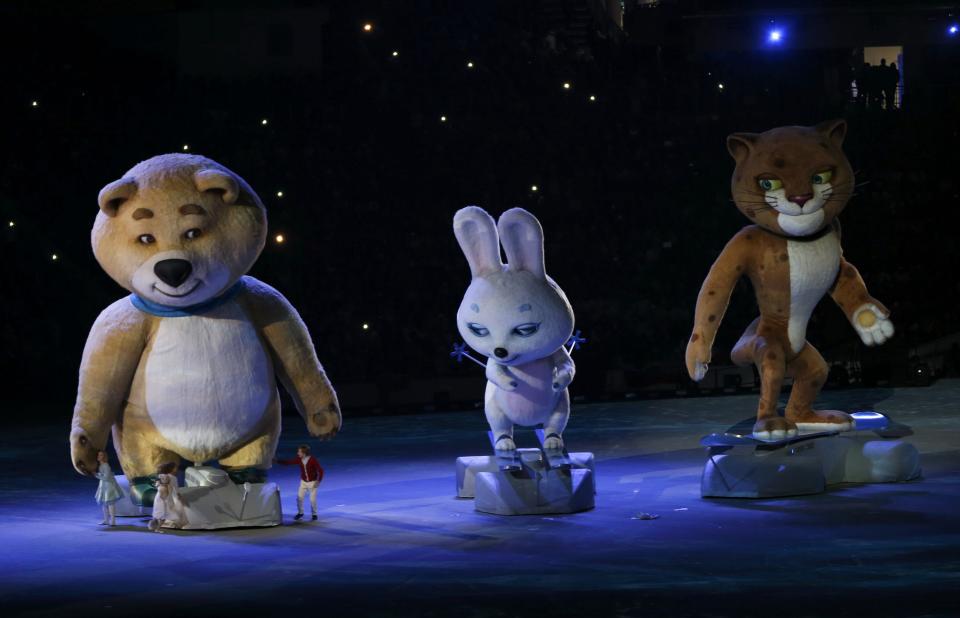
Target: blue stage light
x,y
775,36
953,30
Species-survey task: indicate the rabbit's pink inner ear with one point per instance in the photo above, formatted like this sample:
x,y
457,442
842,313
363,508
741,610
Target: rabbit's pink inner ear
x,y
477,234
522,238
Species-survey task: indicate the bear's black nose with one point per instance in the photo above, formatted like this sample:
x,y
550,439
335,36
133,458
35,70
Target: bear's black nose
x,y
173,272
501,352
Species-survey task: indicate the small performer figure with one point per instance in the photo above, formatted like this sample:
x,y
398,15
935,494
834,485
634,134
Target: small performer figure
x,y
168,506
310,476
108,491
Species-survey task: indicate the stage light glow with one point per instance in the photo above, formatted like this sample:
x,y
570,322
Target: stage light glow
x,y
54,257
534,188
566,85
395,53
34,103
952,31
368,27
264,122
279,193
469,64
365,326
443,118
279,238
11,224
720,86
592,97
775,35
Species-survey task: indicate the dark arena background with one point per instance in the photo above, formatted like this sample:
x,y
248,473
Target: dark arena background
x,y
364,126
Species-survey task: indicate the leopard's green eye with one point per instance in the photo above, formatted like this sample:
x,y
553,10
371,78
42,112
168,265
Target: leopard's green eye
x,y
770,184
821,178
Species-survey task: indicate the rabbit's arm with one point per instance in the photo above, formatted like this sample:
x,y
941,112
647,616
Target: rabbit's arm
x,y
110,359
500,375
564,369
295,358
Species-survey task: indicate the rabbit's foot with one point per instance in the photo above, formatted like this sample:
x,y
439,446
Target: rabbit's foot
x,y
553,443
505,443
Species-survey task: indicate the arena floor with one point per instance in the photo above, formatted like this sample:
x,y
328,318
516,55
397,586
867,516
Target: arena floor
x,y
393,541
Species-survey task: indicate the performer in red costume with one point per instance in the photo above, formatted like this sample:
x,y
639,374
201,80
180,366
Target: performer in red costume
x,y
310,476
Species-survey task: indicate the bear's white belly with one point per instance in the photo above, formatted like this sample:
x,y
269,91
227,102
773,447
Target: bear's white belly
x,y
208,380
813,269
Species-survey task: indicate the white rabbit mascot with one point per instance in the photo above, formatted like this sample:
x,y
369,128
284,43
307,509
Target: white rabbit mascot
x,y
519,318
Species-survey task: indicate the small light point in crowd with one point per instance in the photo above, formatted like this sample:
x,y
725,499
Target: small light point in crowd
x,y
534,188
34,103
592,97
279,238
469,64
443,118
11,224
54,257
279,193
265,122
186,147
368,27
566,85
952,30
395,53
365,326
720,86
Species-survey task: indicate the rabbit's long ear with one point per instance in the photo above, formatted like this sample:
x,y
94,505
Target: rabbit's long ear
x,y
522,239
476,232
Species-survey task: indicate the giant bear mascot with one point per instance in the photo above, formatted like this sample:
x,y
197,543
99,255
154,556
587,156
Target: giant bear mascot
x,y
186,365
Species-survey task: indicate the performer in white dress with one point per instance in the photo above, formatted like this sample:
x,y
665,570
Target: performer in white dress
x,y
168,505
108,491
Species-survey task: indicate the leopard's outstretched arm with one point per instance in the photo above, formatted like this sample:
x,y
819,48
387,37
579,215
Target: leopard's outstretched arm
x,y
869,317
712,302
110,359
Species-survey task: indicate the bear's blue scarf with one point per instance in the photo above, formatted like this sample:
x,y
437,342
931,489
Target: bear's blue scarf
x,y
165,311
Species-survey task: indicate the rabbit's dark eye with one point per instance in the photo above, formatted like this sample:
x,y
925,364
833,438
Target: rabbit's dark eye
x,y
146,239
478,329
193,234
525,330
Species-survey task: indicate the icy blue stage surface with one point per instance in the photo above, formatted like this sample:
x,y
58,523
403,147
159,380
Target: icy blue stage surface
x,y
393,541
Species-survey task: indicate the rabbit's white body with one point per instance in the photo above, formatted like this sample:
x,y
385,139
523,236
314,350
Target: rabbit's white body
x,y
519,319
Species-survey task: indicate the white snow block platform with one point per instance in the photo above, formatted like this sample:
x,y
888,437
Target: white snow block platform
x,y
739,466
212,501
125,506
535,489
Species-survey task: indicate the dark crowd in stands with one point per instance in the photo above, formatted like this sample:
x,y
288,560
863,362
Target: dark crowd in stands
x,y
632,187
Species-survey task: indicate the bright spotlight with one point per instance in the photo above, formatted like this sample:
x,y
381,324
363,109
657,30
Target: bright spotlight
x,y
186,147
775,36
365,326
279,193
953,30
720,86
534,188
395,53
443,118
470,65
593,97
368,27
279,238
566,85
264,122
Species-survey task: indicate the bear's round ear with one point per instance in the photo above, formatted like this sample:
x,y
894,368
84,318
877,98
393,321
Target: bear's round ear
x,y
218,181
115,194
